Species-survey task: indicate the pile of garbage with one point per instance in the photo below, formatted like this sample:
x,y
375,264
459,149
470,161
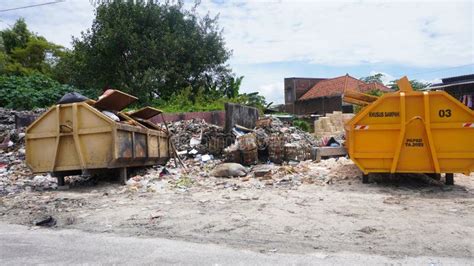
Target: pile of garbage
x,y
216,174
9,135
271,141
15,176
195,136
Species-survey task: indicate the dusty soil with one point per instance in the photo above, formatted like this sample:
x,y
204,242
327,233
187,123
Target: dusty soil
x,y
392,217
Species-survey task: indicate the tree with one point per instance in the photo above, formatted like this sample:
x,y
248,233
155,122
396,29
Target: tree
x,y
16,37
252,99
151,50
38,55
417,85
24,53
3,56
374,78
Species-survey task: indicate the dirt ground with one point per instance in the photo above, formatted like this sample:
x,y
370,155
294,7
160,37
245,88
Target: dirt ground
x,y
397,217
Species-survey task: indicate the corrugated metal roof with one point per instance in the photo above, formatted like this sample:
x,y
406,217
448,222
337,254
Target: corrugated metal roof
x,y
442,85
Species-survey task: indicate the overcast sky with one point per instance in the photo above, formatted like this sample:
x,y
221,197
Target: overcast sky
x,y
271,40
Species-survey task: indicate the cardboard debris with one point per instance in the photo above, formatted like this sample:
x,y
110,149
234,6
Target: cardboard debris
x,y
331,125
145,113
114,100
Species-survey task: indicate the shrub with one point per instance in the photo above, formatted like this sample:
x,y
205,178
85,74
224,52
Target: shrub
x,y
30,92
303,125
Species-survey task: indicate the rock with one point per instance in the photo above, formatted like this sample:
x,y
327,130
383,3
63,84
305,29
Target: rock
x,y
244,197
262,170
367,230
229,170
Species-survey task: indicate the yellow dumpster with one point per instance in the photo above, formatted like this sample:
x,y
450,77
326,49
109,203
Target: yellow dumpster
x,y
77,137
412,132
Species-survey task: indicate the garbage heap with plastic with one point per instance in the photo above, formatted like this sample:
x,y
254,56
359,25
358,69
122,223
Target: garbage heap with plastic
x,y
270,141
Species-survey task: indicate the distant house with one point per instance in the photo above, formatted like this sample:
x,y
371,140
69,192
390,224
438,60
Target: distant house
x,y
322,95
460,87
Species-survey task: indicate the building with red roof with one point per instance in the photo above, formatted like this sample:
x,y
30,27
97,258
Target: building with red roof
x,y
322,95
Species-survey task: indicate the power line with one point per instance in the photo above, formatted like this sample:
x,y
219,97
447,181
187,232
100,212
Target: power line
x,y
29,6
439,70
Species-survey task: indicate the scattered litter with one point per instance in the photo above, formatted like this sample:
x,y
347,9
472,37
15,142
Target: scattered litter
x,y
205,158
46,222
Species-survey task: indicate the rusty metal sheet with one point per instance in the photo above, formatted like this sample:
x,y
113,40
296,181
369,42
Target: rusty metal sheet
x,y
140,145
115,100
145,113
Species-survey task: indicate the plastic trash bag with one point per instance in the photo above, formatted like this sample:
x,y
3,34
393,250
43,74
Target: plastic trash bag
x,y
72,97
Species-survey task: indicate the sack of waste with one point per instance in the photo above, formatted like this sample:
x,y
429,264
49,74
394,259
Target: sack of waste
x,y
229,170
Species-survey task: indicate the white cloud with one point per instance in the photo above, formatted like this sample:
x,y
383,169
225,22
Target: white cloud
x,y
273,92
423,33
337,33
57,22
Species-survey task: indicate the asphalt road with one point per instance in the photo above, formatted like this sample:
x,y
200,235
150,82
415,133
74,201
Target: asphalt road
x,y
24,245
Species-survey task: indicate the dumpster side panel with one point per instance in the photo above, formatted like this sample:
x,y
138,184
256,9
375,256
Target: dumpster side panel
x,y
41,142
153,149
452,133
124,145
67,157
88,144
140,145
164,146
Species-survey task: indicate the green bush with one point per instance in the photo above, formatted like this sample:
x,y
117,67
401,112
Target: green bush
x,y
187,101
205,100
303,125
30,92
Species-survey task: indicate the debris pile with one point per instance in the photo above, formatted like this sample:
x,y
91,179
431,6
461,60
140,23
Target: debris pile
x,y
271,140
331,126
218,175
275,142
198,137
15,176
9,135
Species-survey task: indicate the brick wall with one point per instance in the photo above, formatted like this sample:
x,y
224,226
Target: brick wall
x,y
296,87
318,106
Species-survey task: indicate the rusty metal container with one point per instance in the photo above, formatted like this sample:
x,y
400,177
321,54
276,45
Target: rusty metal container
x,y
77,137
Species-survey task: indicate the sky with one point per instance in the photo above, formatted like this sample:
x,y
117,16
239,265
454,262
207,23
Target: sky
x,y
271,40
